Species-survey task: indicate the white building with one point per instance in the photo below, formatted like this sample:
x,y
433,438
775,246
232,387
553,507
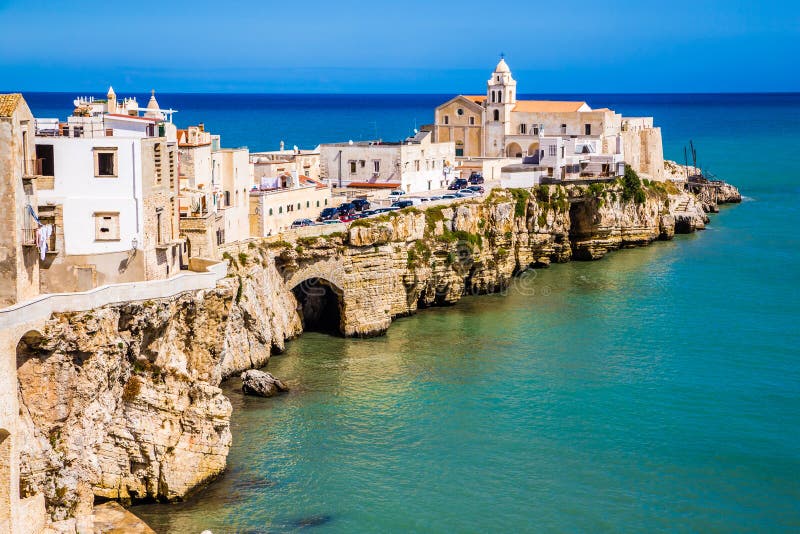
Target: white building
x,y
562,140
110,188
414,165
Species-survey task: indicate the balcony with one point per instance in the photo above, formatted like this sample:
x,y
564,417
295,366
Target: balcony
x,y
33,169
30,239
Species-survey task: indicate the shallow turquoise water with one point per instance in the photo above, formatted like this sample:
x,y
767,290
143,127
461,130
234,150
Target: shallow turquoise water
x,y
657,389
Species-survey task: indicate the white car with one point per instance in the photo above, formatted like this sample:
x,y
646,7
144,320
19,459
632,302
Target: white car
x,y
463,193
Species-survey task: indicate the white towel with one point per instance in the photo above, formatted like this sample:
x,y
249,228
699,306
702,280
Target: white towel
x,y
43,238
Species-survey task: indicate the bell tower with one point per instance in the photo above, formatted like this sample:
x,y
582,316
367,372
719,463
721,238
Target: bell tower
x,y
501,97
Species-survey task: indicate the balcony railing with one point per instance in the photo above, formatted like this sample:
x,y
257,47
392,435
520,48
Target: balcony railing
x,y
30,238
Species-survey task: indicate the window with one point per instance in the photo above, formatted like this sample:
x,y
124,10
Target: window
x,y
326,201
227,199
496,115
416,164
298,205
447,119
523,128
44,153
105,162
493,98
552,150
280,209
270,211
376,164
472,121
317,203
460,111
363,163
562,151
106,226
535,129
587,129
563,128
308,204
499,96
352,167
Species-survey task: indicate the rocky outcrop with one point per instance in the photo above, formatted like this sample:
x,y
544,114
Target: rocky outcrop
x,y
123,402
261,384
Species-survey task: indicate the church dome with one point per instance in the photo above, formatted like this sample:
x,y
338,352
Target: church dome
x,y
502,66
153,107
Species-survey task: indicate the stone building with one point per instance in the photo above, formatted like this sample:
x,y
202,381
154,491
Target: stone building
x,y
555,139
19,256
270,164
231,167
415,165
273,209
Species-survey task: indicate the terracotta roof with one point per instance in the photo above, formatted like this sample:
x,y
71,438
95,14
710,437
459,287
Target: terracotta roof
x,y
382,185
305,179
547,106
9,103
475,98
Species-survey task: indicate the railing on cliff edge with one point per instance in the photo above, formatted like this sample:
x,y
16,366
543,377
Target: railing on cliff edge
x,y
204,275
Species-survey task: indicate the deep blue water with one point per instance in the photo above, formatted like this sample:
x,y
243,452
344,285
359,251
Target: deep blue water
x,y
657,389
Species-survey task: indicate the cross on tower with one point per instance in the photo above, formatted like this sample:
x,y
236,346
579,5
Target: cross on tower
x,y
502,55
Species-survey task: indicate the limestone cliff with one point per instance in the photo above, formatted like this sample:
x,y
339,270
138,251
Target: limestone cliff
x,y
123,402
389,266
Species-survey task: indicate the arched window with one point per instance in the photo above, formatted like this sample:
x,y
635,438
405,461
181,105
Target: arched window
x,y
280,209
317,203
270,211
447,119
497,115
499,96
493,98
308,204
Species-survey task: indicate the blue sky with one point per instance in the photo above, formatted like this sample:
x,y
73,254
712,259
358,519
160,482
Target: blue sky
x,y
414,46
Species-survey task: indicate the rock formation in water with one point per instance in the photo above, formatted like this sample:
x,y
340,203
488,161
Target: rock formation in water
x,y
123,402
261,384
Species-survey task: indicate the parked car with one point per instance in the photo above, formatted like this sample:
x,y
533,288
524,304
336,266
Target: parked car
x,y
396,193
448,197
477,188
466,193
346,208
400,204
369,213
331,221
383,210
299,223
328,213
348,218
436,197
458,183
476,178
361,204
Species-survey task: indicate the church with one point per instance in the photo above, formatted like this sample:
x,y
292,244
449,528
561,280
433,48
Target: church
x,y
565,139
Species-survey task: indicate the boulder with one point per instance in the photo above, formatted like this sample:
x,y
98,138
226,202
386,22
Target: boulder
x,y
261,384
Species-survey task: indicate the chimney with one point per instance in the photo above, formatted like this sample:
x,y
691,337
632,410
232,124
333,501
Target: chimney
x,y
202,127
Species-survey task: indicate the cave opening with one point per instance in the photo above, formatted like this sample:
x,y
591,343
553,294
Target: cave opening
x,y
319,303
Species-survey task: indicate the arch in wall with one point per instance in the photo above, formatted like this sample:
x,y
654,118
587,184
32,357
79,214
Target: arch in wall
x,y
320,303
513,150
497,114
533,149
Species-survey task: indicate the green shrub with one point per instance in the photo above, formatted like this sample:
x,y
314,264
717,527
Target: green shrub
x,y
242,259
521,197
364,223
278,244
227,256
632,186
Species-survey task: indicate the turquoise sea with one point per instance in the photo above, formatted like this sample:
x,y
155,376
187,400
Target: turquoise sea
x,y
655,390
